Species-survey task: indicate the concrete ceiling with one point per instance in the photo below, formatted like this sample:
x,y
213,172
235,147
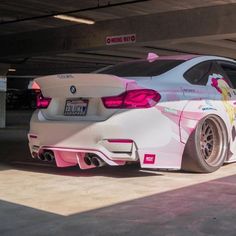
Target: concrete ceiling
x,y
36,43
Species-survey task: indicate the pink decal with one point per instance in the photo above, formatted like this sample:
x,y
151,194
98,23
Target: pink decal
x,y
174,114
149,158
222,86
214,83
219,82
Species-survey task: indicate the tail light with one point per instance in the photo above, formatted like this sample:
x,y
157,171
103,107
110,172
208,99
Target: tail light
x,y
42,102
140,98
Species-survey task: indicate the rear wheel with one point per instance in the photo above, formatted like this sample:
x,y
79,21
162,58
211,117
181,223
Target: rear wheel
x,y
206,148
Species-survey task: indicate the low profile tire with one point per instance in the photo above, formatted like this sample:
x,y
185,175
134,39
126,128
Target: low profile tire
x,y
206,148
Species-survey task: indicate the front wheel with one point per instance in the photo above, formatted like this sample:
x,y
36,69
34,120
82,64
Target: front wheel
x,y
206,148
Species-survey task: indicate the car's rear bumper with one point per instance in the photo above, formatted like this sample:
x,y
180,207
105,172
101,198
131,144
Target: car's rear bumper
x,y
147,136
65,157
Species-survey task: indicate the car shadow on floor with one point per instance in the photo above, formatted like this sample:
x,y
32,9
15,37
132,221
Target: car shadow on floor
x,y
128,171
207,208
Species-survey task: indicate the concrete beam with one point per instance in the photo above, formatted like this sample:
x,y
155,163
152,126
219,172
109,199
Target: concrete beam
x,y
214,22
204,49
228,44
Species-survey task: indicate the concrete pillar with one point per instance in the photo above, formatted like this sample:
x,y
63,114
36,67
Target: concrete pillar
x,y
3,81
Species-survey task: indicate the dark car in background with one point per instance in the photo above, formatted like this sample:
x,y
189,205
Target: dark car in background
x,y
21,99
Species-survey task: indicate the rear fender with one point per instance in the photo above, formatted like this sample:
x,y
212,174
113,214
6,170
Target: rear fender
x,y
194,111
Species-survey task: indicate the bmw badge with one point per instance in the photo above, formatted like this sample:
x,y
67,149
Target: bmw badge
x,y
73,89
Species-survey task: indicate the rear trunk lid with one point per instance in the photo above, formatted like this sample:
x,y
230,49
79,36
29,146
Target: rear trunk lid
x,y
78,96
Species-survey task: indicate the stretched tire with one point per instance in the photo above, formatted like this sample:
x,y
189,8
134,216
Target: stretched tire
x,y
207,146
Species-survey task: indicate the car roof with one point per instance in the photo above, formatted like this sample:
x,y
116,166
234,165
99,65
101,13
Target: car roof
x,y
188,57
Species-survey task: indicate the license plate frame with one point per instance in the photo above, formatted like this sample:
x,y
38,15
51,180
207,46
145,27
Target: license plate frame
x,y
76,107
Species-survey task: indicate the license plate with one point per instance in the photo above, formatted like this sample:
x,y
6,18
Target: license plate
x,y
76,107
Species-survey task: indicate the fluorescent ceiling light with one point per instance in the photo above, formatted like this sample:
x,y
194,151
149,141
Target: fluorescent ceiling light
x,y
75,19
12,70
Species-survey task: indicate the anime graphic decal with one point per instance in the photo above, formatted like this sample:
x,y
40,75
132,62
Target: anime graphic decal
x,y
220,84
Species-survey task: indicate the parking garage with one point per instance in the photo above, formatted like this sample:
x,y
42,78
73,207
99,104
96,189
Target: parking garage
x,y
37,197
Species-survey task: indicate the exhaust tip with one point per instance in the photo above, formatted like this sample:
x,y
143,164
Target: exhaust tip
x,y
46,155
97,161
34,154
87,160
49,156
41,157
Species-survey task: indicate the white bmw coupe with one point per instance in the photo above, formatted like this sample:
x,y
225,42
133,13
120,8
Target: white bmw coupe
x,y
175,112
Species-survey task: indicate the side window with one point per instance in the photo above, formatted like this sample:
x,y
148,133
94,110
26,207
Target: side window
x,y
229,69
199,73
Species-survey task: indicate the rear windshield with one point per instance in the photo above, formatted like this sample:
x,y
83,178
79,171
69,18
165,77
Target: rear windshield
x,y
141,68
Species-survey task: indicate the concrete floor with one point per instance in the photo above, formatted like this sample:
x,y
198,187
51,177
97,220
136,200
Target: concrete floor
x,y
40,199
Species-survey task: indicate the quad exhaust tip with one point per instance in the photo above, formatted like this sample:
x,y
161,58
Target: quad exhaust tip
x,y
89,159
93,159
97,161
47,155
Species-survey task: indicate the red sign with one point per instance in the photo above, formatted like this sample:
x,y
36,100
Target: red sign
x,y
121,39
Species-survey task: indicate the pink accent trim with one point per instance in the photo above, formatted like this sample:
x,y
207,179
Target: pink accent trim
x,y
60,162
120,140
152,56
178,57
72,156
35,86
149,159
75,150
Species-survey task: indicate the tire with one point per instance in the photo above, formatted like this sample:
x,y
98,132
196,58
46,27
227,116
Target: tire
x,y
206,148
